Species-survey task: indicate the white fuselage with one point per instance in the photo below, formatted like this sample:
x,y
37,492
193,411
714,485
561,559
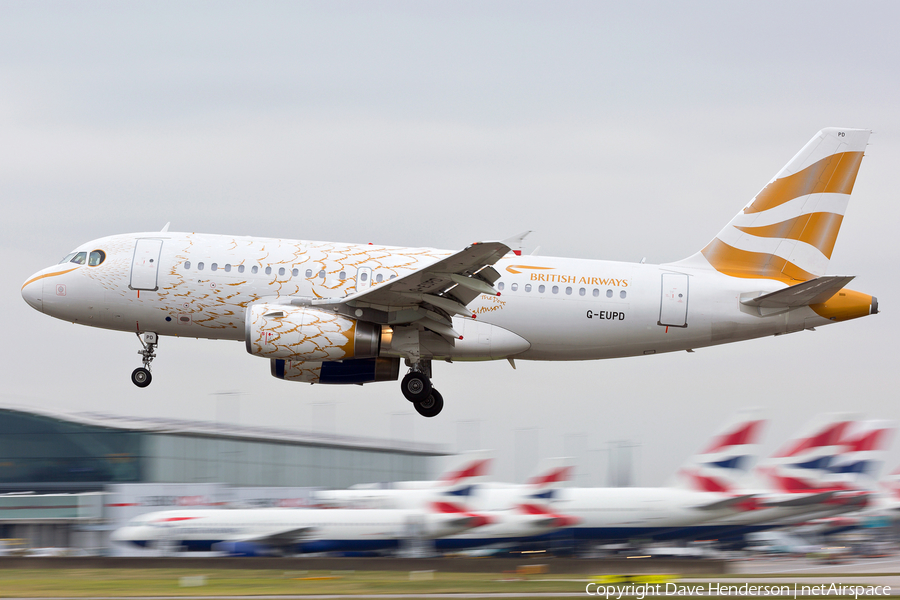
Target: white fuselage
x,y
200,285
309,530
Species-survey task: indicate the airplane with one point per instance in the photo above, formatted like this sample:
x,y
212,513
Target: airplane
x,y
338,313
809,478
625,513
266,531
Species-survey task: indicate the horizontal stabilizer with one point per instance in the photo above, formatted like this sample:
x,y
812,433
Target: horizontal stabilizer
x,y
814,291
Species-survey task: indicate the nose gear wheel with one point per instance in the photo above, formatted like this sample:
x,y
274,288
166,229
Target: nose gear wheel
x,y
141,376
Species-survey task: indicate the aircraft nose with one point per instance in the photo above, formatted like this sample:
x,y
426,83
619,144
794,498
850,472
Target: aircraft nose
x,y
32,293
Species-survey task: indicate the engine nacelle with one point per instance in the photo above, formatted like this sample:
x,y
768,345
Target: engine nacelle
x,y
308,334
366,370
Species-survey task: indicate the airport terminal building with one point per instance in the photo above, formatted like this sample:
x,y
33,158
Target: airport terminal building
x,y
69,480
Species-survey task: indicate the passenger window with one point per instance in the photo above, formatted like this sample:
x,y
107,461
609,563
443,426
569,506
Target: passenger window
x,y
96,258
199,266
268,270
343,275
363,276
527,287
240,268
67,258
214,267
581,292
322,274
393,276
254,269
555,289
295,272
80,258
514,287
622,294
379,278
281,272
228,268
568,291
187,264
609,293
541,288
500,286
596,293
309,273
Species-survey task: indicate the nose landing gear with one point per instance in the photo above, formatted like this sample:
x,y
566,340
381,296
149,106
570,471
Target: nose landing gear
x,y
141,376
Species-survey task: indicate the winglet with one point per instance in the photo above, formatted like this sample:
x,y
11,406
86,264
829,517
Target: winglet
x,y
516,242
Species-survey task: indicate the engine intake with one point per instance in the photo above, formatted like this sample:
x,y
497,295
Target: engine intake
x,y
308,334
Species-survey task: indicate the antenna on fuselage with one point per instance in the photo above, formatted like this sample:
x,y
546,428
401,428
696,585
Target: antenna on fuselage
x,y
166,228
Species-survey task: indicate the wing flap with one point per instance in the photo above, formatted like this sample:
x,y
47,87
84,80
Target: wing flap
x,y
448,284
283,538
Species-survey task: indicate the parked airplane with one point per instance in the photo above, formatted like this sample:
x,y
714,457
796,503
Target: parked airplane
x,y
260,531
624,513
807,478
324,312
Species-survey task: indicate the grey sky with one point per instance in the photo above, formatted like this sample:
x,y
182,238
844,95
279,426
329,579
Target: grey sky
x,y
613,130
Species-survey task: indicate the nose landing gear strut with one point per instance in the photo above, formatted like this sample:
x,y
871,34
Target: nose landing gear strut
x,y
141,376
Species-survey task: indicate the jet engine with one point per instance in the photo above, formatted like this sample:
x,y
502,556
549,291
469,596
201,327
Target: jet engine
x,y
366,370
307,334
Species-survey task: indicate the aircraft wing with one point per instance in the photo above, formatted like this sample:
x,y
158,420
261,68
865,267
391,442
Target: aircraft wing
x,y
283,538
726,503
800,499
435,292
809,292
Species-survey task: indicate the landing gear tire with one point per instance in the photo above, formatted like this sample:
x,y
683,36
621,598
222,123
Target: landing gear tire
x,y
416,387
431,406
141,377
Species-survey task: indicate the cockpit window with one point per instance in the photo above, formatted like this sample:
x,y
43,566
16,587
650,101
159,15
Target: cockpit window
x,y
67,258
80,258
96,258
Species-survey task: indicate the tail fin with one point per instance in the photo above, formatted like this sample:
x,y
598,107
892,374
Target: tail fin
x,y
863,453
728,456
550,475
803,465
788,231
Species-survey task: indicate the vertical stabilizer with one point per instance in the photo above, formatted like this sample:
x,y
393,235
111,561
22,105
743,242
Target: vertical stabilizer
x,y
788,231
727,457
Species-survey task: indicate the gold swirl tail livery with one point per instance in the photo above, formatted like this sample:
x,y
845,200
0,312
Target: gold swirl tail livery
x,y
336,313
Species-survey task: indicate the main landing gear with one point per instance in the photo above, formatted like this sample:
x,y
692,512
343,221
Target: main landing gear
x,y
416,387
141,376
